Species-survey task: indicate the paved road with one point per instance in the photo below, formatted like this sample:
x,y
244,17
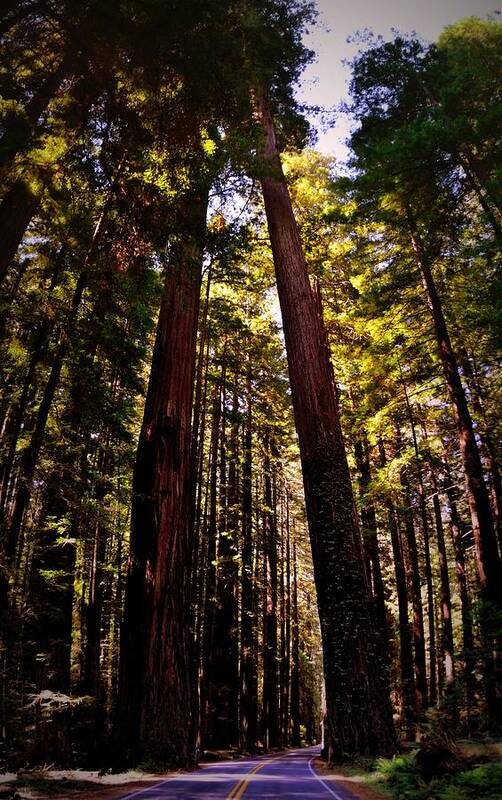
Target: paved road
x,y
290,777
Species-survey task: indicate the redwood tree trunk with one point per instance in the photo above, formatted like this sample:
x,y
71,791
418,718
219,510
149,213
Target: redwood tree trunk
x,y
463,591
154,691
295,658
408,698
447,644
17,209
248,700
370,538
421,693
488,562
269,726
359,717
225,653
487,557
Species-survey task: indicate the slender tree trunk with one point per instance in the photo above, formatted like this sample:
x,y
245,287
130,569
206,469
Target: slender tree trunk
x,y
359,717
421,692
285,621
370,538
196,488
463,591
487,443
207,687
248,676
17,209
17,415
447,644
433,682
155,670
487,557
225,653
20,129
30,456
488,562
408,697
295,658
270,729
446,614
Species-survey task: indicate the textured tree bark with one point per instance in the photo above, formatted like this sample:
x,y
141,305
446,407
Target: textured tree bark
x,y
17,209
463,591
359,718
17,414
447,643
433,681
446,614
408,697
370,539
248,672
198,522
487,557
155,669
196,487
207,688
285,621
225,652
30,456
269,720
421,692
487,442
295,658
488,562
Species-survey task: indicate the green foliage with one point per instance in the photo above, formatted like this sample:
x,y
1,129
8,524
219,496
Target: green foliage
x,y
405,783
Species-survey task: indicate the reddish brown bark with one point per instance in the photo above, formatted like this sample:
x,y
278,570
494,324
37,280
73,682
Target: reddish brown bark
x,y
155,669
414,580
488,562
248,700
463,591
269,719
433,681
295,658
447,644
370,539
487,557
408,697
487,442
359,717
285,594
224,666
17,209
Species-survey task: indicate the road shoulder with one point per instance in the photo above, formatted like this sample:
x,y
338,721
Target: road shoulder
x,y
357,782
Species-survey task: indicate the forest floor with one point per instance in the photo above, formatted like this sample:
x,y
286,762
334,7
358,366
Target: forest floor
x,y
363,783
66,784
399,777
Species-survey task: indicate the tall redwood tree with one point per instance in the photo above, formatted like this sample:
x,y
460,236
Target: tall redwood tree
x,y
154,692
359,717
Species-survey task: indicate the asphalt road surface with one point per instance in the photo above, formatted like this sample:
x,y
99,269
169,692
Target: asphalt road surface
x,y
290,776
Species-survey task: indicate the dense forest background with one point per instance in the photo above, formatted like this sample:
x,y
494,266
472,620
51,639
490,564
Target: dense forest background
x,y
156,562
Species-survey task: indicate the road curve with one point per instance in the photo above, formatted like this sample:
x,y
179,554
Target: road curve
x,y
290,776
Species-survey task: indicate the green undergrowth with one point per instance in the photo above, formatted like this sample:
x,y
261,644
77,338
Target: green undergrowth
x,y
401,779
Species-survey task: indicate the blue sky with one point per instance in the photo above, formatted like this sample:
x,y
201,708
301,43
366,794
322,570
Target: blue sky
x,y
325,81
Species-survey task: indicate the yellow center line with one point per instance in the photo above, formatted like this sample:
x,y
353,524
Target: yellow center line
x,y
238,790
